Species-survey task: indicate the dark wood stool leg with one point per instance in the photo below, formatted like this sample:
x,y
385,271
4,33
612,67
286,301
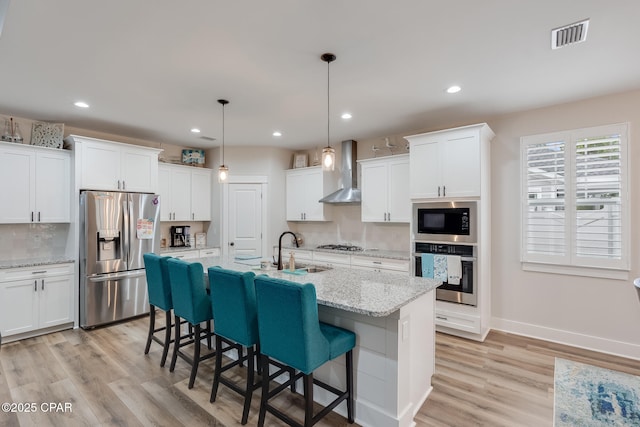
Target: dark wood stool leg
x,y
216,374
209,333
248,393
308,399
292,373
167,337
264,361
196,355
350,402
152,327
176,345
257,355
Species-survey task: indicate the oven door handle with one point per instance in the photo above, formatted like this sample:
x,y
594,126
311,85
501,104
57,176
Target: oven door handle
x,y
462,258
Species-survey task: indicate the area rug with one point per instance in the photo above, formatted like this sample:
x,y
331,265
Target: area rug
x,y
589,396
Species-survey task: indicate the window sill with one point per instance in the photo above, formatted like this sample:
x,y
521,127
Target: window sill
x,y
604,273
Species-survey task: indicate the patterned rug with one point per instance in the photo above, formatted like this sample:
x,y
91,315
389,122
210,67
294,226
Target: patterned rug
x,y
589,396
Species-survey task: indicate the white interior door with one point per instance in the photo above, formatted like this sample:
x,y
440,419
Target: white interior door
x,y
245,219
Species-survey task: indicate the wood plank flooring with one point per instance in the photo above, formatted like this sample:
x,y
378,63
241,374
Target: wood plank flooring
x,y
104,375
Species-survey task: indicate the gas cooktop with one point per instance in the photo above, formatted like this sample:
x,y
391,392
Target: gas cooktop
x,y
350,248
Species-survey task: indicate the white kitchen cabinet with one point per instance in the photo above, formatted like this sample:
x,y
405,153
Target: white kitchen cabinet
x,y
330,259
448,164
113,166
185,193
385,189
304,187
33,298
209,252
35,184
184,254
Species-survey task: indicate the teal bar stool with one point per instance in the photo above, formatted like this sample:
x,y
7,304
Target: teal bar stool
x,y
233,299
159,290
191,303
235,321
291,333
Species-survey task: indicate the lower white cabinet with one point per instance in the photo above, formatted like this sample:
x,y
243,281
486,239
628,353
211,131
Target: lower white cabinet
x,y
328,259
453,318
33,298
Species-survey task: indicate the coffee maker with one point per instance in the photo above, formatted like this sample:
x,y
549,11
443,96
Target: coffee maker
x,y
180,235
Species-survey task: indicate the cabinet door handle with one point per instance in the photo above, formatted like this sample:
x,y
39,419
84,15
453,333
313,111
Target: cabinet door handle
x,y
377,262
388,216
35,286
32,216
39,272
118,184
38,216
193,216
124,187
42,288
444,191
441,318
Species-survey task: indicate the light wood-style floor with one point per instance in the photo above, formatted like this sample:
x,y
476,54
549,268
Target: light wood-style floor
x,y
104,375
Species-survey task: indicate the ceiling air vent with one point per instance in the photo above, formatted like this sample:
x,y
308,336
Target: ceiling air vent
x,y
207,138
569,34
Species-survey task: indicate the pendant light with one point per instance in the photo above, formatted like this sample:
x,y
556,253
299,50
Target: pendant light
x,y
223,170
328,152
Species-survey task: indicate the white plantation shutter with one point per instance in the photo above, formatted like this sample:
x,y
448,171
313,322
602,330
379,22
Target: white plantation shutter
x,y
575,208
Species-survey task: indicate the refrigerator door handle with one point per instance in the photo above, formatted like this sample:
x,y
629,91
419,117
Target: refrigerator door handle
x,y
117,276
126,205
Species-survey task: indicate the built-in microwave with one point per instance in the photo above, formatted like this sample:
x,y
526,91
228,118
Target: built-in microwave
x,y
445,221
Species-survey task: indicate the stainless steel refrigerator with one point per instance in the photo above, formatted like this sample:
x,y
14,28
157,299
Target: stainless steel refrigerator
x,y
116,229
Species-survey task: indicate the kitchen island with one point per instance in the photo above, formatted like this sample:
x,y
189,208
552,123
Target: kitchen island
x,y
393,318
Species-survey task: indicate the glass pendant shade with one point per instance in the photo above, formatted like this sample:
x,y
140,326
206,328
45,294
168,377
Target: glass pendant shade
x,y
328,158
223,173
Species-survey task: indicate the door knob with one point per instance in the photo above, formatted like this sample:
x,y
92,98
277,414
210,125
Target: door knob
x,y
230,243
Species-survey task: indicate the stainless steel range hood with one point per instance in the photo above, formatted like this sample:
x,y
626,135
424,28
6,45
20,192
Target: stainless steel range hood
x,y
348,194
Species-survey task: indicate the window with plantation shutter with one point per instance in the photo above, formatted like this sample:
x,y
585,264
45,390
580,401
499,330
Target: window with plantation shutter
x,y
574,198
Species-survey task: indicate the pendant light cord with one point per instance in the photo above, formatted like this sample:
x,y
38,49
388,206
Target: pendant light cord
x,y
328,98
223,134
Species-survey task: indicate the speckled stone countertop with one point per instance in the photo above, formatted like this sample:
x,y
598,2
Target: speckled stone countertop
x,y
183,249
33,262
366,292
375,253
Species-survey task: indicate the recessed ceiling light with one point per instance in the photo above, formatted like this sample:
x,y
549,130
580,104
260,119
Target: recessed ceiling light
x,y
277,133
454,89
195,130
346,116
81,104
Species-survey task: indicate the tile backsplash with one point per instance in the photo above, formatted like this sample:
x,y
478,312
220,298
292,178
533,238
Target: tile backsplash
x,y
347,228
29,241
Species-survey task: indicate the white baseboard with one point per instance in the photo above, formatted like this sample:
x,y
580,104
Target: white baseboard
x,y
589,342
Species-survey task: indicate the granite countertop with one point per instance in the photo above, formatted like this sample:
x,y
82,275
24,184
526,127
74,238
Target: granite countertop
x,y
33,262
183,249
370,293
374,253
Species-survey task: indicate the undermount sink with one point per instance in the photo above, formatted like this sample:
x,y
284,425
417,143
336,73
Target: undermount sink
x,y
309,268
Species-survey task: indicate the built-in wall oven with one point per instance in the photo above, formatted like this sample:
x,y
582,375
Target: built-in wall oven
x,y
445,248
462,290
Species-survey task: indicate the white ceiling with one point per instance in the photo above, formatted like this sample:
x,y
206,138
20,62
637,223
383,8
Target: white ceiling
x,y
153,69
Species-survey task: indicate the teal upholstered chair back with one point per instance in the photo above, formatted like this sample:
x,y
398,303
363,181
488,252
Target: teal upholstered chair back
x,y
188,291
158,286
288,323
233,299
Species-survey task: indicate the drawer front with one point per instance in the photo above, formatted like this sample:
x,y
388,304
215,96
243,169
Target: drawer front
x,y
330,258
209,252
183,254
459,321
380,263
21,273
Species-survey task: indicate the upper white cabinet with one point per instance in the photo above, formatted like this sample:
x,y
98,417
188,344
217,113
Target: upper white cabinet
x,y
304,187
448,164
113,166
385,189
185,193
35,184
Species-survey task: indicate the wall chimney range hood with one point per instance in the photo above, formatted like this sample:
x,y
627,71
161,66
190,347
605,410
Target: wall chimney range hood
x,y
348,194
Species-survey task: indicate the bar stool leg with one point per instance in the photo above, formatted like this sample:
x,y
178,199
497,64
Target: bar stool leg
x,y
308,399
196,355
167,337
176,345
349,357
248,393
264,361
216,374
152,327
